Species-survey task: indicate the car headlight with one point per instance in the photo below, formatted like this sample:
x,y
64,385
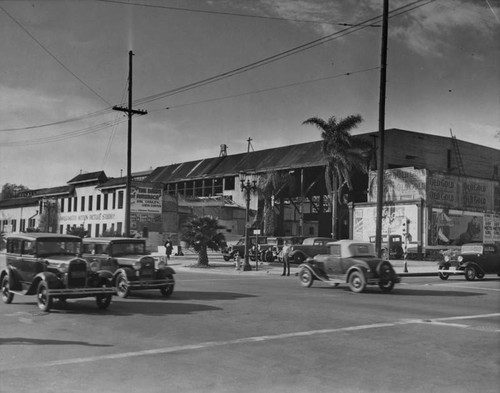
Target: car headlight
x,y
460,259
94,266
63,267
137,265
162,264
447,258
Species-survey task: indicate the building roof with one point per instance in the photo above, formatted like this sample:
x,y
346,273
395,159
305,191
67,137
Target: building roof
x,y
280,158
98,176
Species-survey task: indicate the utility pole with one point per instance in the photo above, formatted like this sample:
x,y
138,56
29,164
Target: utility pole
x,y
381,130
129,112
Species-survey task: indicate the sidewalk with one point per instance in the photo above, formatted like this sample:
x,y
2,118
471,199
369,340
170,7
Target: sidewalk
x,y
218,265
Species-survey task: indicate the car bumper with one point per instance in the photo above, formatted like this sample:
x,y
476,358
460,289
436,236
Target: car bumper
x,y
150,284
80,291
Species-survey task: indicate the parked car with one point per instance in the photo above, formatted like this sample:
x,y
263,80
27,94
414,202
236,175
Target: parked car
x,y
351,262
48,265
231,251
131,265
392,247
310,247
473,260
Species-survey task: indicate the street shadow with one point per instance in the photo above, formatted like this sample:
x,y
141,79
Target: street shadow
x,y
191,295
37,341
402,291
126,307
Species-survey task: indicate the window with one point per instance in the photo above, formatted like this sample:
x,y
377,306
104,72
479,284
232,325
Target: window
x,y
89,229
335,250
75,202
22,225
104,227
82,204
120,200
96,230
106,201
114,200
90,202
119,228
29,247
448,159
229,183
69,205
61,228
14,246
62,205
98,202
13,222
218,186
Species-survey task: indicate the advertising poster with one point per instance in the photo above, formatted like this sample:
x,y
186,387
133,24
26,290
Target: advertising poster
x,y
399,184
456,228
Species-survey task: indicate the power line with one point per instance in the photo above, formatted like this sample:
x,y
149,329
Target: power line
x,y
51,54
278,56
269,89
194,10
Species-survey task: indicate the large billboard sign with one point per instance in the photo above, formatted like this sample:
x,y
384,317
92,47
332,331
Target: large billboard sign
x,y
146,200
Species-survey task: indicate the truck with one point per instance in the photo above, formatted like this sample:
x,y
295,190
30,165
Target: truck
x,y
310,247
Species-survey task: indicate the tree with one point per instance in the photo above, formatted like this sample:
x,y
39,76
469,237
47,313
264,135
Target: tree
x,y
202,233
77,231
10,190
343,156
269,185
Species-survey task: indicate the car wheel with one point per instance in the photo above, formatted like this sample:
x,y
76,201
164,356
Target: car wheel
x,y
357,282
7,295
306,277
44,300
122,287
167,290
386,286
443,276
470,273
298,258
103,300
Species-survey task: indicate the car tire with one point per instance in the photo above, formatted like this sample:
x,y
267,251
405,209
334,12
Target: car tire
x,y
470,273
103,300
7,295
122,287
167,290
357,282
306,278
44,300
443,276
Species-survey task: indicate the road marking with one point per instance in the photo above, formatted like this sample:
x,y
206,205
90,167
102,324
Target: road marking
x,y
245,340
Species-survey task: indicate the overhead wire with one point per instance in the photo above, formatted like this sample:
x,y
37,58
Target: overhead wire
x,y
248,67
51,54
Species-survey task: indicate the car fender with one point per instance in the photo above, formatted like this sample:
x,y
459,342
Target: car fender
x,y
14,282
53,282
466,264
357,268
106,274
164,273
315,271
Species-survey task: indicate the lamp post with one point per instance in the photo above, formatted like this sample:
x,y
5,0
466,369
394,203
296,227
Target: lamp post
x,y
248,188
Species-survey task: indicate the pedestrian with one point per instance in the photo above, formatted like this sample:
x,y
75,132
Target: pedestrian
x,y
286,258
168,248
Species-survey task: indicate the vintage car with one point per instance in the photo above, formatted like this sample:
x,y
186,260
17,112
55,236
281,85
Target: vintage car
x,y
473,260
131,265
230,252
392,247
48,266
308,248
349,262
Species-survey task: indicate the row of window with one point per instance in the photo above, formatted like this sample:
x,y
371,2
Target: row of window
x,y
31,222
202,188
96,230
102,202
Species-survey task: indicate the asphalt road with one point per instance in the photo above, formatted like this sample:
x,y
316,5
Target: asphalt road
x,y
260,333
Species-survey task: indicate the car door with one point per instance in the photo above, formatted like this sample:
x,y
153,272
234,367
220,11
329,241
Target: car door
x,y
490,259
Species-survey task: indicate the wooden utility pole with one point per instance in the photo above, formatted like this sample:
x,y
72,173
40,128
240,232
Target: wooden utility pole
x,y
129,112
381,130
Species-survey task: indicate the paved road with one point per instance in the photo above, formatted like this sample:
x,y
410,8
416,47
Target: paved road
x,y
260,332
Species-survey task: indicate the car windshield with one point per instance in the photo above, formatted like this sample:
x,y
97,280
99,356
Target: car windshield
x,y
362,250
58,247
128,248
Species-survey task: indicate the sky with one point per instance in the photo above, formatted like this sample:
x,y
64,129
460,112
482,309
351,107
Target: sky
x,y
212,72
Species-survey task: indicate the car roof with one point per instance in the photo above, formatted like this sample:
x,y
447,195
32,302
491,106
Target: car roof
x,y
111,239
41,236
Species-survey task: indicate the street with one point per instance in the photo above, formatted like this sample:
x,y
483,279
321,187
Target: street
x,y
252,332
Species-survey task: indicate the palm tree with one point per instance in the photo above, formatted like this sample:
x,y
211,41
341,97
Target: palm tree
x,y
202,233
343,155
